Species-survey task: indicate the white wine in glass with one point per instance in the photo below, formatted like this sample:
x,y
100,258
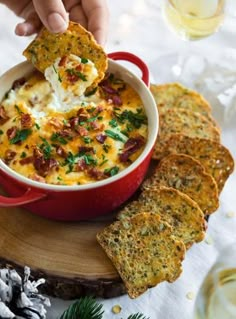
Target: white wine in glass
x,y
194,19
217,296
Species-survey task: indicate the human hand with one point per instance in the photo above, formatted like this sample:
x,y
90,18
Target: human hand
x,y
55,14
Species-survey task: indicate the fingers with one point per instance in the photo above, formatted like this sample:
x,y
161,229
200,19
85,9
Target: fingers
x,y
30,26
98,18
76,12
52,14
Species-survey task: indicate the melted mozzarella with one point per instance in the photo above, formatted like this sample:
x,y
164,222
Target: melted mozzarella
x,y
69,77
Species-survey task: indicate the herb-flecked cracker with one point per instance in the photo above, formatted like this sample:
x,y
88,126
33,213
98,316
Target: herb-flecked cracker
x,y
216,158
47,47
176,95
143,251
187,175
175,208
184,122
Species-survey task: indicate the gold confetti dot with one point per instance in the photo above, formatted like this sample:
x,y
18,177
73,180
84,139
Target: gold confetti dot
x,y
190,295
116,309
209,240
231,214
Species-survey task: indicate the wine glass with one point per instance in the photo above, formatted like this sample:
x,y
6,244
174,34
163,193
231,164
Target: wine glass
x,y
190,20
217,296
194,19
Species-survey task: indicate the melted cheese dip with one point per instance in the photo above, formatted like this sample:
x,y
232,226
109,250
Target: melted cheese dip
x,y
99,137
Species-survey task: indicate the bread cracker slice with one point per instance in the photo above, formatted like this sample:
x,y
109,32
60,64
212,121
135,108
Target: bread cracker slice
x,y
47,47
176,95
143,251
184,122
175,208
187,175
216,158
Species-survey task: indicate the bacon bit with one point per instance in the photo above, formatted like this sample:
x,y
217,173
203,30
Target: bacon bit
x,y
116,100
18,83
131,146
61,152
63,61
37,178
95,125
101,138
80,165
82,131
98,109
3,115
72,78
11,132
42,165
74,122
55,122
79,67
9,156
66,133
95,173
86,149
26,160
26,121
82,114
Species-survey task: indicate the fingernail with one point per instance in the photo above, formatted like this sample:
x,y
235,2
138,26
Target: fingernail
x,y
57,23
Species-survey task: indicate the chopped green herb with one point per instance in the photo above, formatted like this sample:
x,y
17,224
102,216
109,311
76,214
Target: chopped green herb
x,y
111,171
1,132
45,148
20,136
104,160
136,119
70,161
18,109
89,93
56,137
84,61
37,126
113,123
58,75
114,135
87,139
89,160
23,155
106,147
76,73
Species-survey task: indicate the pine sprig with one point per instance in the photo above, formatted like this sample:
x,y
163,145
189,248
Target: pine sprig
x,y
84,308
137,316
89,308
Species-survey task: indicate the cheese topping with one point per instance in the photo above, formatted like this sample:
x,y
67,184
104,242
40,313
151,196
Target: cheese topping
x,y
69,77
99,137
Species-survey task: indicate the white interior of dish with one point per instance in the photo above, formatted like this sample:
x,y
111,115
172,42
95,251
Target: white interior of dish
x,y
25,68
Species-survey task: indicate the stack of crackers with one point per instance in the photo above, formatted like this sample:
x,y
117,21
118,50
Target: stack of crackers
x,y
148,242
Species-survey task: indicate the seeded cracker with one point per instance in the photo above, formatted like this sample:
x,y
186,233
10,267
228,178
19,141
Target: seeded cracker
x,y
47,47
184,122
187,175
143,251
176,95
175,208
216,159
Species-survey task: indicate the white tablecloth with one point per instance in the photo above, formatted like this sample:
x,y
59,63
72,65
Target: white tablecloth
x,y
137,26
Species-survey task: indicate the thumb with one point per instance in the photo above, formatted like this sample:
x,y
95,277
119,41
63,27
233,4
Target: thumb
x,y
53,15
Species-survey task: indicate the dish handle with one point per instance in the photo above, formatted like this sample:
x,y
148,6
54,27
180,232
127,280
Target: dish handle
x,y
130,57
29,196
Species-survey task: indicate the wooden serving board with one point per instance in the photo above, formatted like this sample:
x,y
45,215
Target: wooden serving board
x,y
66,254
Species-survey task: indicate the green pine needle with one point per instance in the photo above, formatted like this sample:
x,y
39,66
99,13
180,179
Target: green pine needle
x,y
84,308
89,308
137,316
